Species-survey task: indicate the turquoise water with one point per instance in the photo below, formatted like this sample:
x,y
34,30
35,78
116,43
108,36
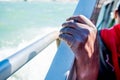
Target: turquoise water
x,y
22,21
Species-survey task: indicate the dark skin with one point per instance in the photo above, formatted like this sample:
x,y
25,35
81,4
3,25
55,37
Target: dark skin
x,y
81,35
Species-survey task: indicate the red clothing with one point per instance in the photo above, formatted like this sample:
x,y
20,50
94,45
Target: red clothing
x,y
111,38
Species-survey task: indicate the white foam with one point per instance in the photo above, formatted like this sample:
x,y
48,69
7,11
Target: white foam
x,y
38,67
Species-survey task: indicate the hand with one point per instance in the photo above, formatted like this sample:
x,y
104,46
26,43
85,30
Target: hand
x,y
81,35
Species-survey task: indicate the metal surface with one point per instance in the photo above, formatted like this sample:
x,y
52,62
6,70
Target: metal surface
x,y
64,57
17,60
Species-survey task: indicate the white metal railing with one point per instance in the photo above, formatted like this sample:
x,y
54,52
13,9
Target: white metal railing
x,y
11,64
64,58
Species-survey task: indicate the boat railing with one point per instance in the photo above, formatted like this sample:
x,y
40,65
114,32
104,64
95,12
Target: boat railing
x,y
13,63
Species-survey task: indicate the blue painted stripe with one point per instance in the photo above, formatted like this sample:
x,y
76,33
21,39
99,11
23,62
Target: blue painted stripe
x,y
5,69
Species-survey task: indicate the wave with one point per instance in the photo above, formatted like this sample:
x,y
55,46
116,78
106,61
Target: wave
x,y
37,68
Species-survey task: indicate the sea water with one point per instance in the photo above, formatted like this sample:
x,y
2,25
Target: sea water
x,y
22,23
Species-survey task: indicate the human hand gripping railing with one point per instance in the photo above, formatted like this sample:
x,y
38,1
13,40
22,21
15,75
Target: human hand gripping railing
x,y
11,64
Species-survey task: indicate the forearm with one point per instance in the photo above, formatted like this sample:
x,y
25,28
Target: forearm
x,y
87,67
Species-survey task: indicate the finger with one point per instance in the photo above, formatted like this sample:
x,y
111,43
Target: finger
x,y
67,38
70,24
76,19
68,30
76,34
76,26
87,21
81,19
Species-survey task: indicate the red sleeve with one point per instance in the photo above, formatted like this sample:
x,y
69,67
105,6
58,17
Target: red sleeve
x,y
111,38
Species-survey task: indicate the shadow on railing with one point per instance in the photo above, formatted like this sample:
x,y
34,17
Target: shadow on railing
x,y
13,63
